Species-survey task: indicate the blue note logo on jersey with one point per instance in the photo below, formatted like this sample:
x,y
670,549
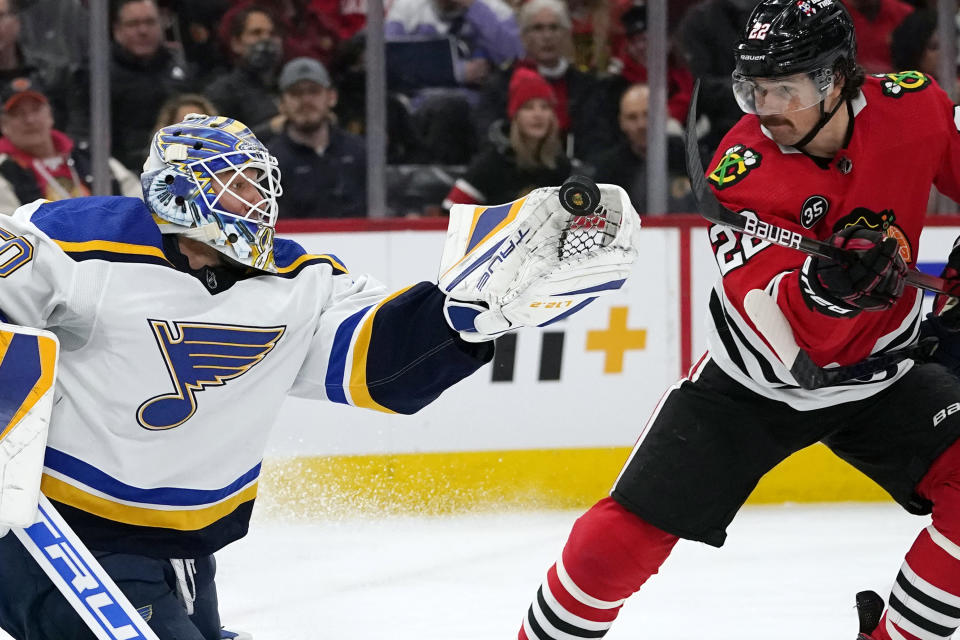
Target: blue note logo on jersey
x,y
198,356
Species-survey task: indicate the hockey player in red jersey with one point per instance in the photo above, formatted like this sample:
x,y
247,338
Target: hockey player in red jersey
x,y
828,153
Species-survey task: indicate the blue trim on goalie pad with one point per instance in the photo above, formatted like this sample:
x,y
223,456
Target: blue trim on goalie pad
x,y
108,218
337,364
487,222
20,370
568,312
94,478
407,369
615,284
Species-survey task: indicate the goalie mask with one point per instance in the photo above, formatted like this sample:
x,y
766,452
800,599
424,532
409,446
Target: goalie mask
x,y
208,178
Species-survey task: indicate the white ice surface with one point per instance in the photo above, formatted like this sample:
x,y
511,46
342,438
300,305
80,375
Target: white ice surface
x,y
786,572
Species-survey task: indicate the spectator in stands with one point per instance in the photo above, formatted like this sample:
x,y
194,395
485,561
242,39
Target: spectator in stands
x,y
17,60
525,154
630,63
485,30
324,166
873,23
37,161
192,27
143,74
626,163
58,28
307,30
914,45
585,113
708,33
350,16
176,108
485,34
249,91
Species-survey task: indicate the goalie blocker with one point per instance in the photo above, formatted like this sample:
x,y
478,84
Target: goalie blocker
x,y
530,263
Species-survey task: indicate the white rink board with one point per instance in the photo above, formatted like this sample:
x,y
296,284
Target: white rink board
x,y
585,408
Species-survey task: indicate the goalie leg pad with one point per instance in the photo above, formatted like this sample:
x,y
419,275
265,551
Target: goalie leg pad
x,y
28,363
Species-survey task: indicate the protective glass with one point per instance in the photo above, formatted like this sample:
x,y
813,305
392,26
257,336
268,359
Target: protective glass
x,y
784,94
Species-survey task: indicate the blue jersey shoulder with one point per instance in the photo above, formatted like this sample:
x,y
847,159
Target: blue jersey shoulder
x,y
290,259
113,228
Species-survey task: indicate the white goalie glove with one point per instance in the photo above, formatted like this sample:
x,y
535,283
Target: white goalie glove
x,y
531,262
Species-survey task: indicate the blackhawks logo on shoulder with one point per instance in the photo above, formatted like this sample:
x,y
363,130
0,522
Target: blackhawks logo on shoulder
x,y
895,85
737,162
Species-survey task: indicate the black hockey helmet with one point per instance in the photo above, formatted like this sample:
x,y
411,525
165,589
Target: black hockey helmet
x,y
784,37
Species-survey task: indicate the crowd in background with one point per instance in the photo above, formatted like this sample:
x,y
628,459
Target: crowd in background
x,y
487,99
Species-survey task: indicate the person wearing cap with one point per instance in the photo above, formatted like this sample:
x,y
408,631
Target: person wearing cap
x,y
38,161
524,152
328,164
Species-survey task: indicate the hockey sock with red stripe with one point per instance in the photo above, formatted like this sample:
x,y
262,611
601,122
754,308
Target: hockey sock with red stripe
x,y
609,555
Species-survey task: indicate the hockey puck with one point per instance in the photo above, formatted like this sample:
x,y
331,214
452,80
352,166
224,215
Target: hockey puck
x,y
579,195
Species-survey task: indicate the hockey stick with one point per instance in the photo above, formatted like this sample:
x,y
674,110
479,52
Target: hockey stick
x,y
711,209
763,310
80,578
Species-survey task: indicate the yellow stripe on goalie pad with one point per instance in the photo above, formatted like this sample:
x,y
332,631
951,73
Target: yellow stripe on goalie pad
x,y
28,360
28,371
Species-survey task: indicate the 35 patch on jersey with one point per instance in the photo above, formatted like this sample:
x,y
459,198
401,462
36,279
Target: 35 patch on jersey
x,y
896,85
735,165
813,211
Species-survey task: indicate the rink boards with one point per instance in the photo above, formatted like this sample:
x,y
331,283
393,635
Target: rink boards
x,y
550,423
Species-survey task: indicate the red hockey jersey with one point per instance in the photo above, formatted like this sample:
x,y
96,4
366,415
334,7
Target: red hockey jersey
x,y
905,139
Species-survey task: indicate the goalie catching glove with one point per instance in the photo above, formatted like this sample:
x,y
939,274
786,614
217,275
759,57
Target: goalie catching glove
x,y
530,263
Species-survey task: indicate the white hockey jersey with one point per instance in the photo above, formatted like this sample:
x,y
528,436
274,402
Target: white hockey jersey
x,y
169,385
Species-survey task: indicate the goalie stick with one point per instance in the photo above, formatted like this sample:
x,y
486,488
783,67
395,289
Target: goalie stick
x,y
80,578
763,310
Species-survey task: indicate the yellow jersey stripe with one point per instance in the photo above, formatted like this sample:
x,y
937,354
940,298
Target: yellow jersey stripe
x,y
181,520
111,247
359,392
304,258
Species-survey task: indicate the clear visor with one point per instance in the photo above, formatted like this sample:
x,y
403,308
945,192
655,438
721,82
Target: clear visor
x,y
248,189
773,96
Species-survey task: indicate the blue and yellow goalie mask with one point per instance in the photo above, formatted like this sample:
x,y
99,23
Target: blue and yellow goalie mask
x,y
210,179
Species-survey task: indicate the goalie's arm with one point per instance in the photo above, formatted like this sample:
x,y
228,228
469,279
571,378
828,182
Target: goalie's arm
x,y
390,352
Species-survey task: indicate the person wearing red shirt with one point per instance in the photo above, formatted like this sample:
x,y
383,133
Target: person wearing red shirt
x,y
874,22
827,153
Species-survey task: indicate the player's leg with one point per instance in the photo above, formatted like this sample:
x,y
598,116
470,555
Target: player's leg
x,y
32,607
910,448
705,448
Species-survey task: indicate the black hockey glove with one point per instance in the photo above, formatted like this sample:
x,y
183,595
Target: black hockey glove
x,y
946,311
870,280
